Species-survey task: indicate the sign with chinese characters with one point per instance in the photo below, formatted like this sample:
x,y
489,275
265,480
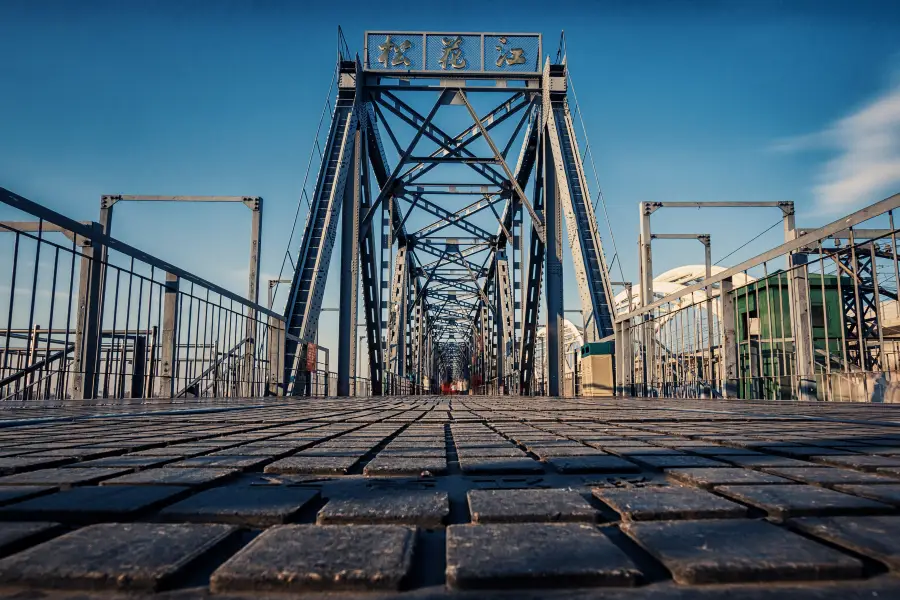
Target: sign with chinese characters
x,y
454,52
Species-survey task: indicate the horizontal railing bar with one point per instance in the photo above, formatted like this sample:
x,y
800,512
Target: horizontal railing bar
x,y
860,216
92,232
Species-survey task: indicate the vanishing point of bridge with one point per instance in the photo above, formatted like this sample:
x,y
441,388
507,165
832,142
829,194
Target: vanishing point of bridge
x,y
706,432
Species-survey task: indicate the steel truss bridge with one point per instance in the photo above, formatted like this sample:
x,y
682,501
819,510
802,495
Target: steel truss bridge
x,y
433,238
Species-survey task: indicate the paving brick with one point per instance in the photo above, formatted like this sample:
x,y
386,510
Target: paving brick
x,y
499,466
18,464
709,552
529,505
535,554
783,501
405,466
189,477
673,462
61,477
889,494
243,463
137,557
493,452
93,504
860,461
422,508
18,536
134,463
668,502
593,464
299,558
566,451
10,493
877,537
827,476
708,478
253,505
321,465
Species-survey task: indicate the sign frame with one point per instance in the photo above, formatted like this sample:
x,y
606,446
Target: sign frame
x,y
481,72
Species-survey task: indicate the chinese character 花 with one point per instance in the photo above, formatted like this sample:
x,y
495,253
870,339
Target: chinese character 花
x,y
513,56
398,50
452,55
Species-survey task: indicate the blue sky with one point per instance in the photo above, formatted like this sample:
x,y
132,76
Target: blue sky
x,y
697,100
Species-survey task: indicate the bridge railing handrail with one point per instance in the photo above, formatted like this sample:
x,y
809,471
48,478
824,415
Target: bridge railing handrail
x,y
93,233
802,241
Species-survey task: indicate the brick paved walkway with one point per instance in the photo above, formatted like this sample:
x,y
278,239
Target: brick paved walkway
x,y
454,496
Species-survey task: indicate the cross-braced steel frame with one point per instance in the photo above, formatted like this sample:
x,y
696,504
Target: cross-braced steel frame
x,y
454,290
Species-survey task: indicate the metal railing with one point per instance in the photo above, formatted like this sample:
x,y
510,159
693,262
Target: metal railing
x,y
86,316
816,318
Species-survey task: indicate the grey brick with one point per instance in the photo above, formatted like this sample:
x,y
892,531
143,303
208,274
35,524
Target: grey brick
x,y
889,494
529,505
113,556
827,476
785,501
876,537
593,464
62,477
708,478
242,463
133,463
321,465
254,505
10,493
189,477
499,466
405,466
422,508
860,461
297,558
535,554
93,504
738,550
668,502
17,464
18,536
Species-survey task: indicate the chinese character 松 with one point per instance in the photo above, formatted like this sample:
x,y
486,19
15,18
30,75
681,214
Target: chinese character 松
x,y
398,50
514,56
452,55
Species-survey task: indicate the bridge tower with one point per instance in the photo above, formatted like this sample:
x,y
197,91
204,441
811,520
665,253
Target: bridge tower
x,y
451,165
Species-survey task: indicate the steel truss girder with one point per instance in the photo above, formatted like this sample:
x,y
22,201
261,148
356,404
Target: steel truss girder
x,y
581,225
311,269
452,219
463,213
438,136
398,315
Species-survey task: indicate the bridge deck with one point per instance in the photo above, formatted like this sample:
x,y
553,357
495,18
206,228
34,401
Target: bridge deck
x,y
436,496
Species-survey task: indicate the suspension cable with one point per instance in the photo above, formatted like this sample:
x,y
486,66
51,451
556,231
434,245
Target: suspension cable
x,y
303,194
590,154
750,241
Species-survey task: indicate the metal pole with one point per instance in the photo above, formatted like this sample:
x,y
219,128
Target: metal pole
x,y
169,340
349,290
554,269
729,348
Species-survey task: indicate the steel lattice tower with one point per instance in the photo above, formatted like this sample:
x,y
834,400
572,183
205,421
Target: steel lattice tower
x,y
433,237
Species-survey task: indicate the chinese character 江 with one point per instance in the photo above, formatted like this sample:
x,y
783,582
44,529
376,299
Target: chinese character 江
x,y
513,56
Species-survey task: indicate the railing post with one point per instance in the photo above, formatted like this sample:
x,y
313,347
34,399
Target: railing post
x,y
276,357
87,323
729,348
169,340
139,368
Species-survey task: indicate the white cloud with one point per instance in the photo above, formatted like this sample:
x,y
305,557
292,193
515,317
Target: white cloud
x,y
866,167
